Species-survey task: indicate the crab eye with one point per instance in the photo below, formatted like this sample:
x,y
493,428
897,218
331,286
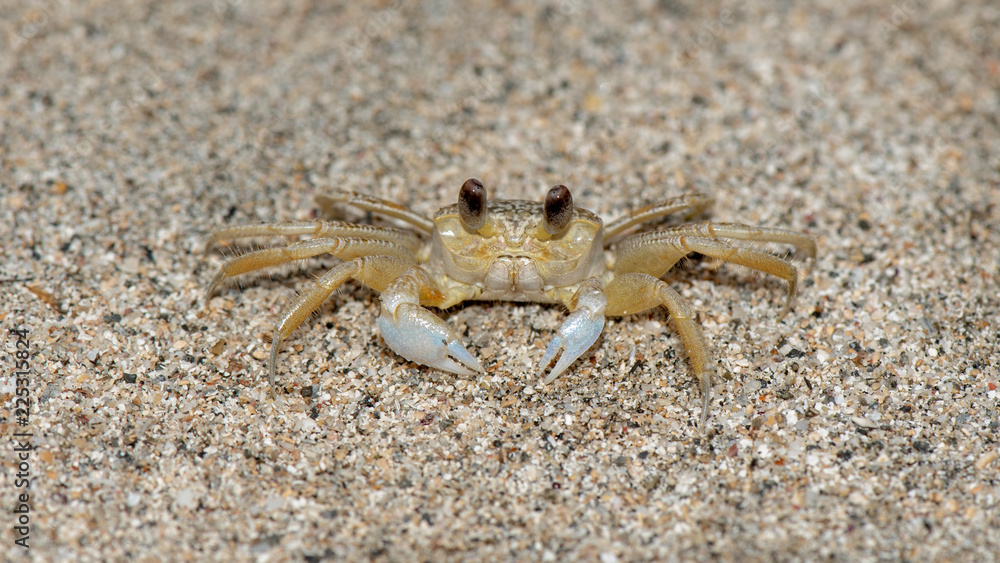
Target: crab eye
x,y
558,209
472,203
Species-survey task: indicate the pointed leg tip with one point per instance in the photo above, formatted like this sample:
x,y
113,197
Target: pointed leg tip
x,y
784,312
276,341
213,287
787,308
207,297
706,397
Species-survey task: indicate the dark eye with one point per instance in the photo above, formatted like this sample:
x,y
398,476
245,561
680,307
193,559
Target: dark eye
x,y
472,203
558,209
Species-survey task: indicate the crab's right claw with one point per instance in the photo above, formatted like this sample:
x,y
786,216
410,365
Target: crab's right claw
x,y
422,337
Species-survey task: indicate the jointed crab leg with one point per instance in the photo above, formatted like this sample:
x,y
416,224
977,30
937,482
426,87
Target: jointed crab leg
x,y
693,203
342,247
417,334
636,292
318,228
376,272
642,259
735,231
375,205
655,253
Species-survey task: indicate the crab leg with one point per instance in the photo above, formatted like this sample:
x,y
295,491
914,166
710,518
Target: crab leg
x,y
318,228
655,253
636,292
693,203
417,334
375,205
734,231
342,247
579,332
376,272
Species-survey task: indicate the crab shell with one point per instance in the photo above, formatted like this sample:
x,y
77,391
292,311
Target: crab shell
x,y
512,258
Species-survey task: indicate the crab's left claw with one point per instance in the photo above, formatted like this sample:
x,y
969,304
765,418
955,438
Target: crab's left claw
x,y
579,332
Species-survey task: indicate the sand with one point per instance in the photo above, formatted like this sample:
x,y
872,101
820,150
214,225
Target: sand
x,y
862,426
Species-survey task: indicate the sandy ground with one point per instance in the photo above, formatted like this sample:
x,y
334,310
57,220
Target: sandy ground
x,y
862,426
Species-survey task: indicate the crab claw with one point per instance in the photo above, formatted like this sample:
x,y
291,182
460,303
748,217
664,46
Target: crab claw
x,y
578,332
422,337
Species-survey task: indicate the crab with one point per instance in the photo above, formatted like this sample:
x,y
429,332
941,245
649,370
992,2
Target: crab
x,y
510,250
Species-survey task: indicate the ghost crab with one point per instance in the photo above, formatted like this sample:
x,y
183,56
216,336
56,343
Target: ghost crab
x,y
509,250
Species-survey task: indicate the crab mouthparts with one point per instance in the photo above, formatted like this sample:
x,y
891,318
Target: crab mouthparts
x,y
514,275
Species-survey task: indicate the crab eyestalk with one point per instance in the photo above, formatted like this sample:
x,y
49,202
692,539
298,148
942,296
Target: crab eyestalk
x,y
558,210
472,204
